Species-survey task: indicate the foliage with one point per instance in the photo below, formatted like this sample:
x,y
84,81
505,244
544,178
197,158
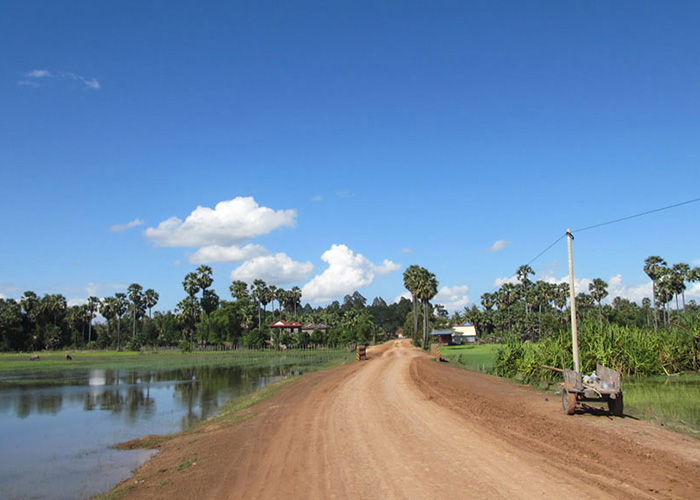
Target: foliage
x,y
254,338
630,350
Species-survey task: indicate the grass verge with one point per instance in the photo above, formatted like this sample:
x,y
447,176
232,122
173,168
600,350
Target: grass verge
x,y
477,358
673,402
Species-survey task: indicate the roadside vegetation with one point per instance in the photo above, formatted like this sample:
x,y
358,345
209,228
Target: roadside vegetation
x,y
655,344
477,358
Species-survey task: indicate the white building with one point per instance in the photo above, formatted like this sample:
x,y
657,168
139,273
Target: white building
x,y
464,333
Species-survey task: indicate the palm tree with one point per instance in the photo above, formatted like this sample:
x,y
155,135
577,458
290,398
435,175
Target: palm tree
x,y
91,307
108,311
260,295
150,300
121,306
525,289
209,303
599,290
488,300
239,290
30,307
523,272
296,297
265,298
505,298
426,289
192,285
273,295
52,308
204,278
136,298
682,271
665,290
653,267
410,281
543,293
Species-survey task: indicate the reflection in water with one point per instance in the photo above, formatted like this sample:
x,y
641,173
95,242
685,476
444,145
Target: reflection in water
x,y
55,439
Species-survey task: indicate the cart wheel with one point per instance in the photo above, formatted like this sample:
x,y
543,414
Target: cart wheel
x,y
568,401
615,405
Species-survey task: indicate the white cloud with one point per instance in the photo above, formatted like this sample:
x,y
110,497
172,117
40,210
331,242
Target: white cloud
x,y
693,292
346,273
233,253
229,223
317,198
405,250
453,298
37,74
2,296
635,293
278,269
499,282
76,302
92,83
118,228
499,245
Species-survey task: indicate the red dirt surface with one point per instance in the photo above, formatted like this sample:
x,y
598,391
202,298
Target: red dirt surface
x,y
401,425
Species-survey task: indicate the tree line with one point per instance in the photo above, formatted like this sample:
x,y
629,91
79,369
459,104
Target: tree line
x,y
34,323
532,310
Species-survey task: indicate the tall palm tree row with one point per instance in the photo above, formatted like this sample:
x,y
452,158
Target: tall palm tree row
x,y
427,289
423,286
411,279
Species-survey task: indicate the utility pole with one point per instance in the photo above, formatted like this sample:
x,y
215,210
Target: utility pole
x,y
572,297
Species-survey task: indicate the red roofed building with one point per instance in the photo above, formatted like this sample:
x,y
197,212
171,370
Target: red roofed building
x,y
281,325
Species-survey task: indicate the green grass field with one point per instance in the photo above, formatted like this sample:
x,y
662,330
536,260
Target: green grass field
x,y
670,401
16,364
478,358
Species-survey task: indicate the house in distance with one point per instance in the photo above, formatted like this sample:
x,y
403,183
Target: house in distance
x,y
464,333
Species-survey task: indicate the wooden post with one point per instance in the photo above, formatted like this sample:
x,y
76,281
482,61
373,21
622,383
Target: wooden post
x,y
572,297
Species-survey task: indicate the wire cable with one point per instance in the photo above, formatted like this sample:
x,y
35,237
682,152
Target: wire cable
x,y
636,215
546,249
605,224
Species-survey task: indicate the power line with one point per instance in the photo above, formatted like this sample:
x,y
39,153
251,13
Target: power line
x,y
637,215
536,257
607,223
545,250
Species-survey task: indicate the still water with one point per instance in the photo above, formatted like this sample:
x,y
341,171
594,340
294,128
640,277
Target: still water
x,y
56,434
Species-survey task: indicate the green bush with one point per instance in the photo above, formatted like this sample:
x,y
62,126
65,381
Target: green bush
x,y
185,346
630,350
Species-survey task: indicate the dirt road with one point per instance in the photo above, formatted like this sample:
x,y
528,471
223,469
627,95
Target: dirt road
x,y
402,426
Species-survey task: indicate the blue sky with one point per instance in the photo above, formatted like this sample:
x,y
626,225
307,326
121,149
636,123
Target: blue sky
x,y
332,144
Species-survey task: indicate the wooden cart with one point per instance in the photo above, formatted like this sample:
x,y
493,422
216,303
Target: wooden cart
x,y
606,389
